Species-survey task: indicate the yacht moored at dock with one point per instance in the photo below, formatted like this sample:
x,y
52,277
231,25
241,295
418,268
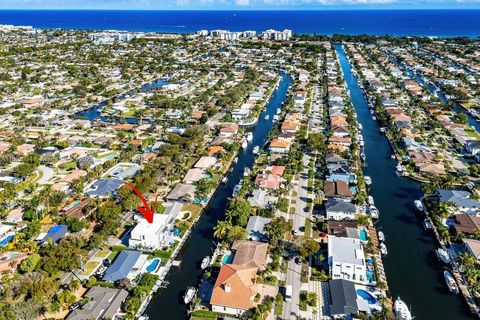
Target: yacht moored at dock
x,y
189,295
401,310
419,205
256,149
427,224
368,180
381,236
443,256
205,262
383,249
450,281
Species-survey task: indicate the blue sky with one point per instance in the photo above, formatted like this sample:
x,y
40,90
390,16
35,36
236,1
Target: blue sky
x,y
239,4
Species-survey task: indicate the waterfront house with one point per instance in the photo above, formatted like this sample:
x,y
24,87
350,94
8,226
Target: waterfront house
x,y
261,199
250,253
473,248
128,264
193,175
461,199
229,130
205,163
336,189
466,224
182,192
268,181
234,290
279,146
346,229
255,228
101,303
346,259
343,299
339,209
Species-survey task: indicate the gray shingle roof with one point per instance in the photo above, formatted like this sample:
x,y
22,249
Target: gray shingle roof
x,y
343,297
122,265
101,188
104,304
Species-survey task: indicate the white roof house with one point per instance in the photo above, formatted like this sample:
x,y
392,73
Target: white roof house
x,y
346,259
205,162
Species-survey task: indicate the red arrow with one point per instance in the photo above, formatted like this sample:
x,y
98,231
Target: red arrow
x,y
146,212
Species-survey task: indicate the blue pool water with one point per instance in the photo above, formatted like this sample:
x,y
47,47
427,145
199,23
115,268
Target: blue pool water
x,y
363,235
228,258
5,241
366,296
153,265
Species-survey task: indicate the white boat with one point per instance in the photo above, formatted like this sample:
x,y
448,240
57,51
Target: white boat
x,y
205,262
360,127
373,211
418,205
374,118
244,144
235,160
225,179
382,129
401,310
381,236
427,224
362,143
450,281
279,110
383,249
362,156
368,180
392,157
246,172
443,256
236,189
275,118
372,111
399,168
267,117
256,149
370,200
249,137
189,295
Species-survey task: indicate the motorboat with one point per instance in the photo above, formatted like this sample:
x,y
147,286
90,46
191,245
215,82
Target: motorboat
x,y
401,310
372,111
189,295
279,110
368,180
249,137
399,168
244,143
225,179
373,211
205,262
392,157
236,189
267,117
383,249
246,172
256,149
235,160
382,130
419,205
442,255
362,156
370,200
427,224
381,236
450,281
275,118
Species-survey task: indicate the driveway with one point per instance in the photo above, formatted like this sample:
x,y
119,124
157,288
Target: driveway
x,y
47,173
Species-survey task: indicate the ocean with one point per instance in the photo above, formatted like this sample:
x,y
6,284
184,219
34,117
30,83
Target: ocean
x,y
441,23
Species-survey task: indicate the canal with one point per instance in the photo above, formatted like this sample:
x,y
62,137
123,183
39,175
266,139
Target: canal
x,y
412,269
95,113
474,123
168,302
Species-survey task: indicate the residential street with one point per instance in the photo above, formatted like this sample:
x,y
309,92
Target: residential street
x,y
291,309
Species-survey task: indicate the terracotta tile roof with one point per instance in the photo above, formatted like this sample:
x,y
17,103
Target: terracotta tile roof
x,y
276,143
235,287
124,127
214,150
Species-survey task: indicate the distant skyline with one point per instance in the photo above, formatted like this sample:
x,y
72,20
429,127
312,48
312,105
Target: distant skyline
x,y
238,4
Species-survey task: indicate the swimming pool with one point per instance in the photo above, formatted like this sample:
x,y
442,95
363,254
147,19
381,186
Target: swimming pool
x,y
153,266
362,233
370,276
366,296
5,241
228,258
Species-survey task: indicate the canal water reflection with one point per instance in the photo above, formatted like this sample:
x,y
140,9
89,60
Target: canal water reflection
x,y
412,270
168,303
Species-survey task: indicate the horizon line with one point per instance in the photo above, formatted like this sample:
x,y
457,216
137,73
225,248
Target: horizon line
x,y
246,10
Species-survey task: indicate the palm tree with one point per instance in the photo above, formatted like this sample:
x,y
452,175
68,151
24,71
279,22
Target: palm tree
x,y
221,229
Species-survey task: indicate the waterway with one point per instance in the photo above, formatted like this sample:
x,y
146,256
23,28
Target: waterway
x,y
168,302
95,113
412,270
439,93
